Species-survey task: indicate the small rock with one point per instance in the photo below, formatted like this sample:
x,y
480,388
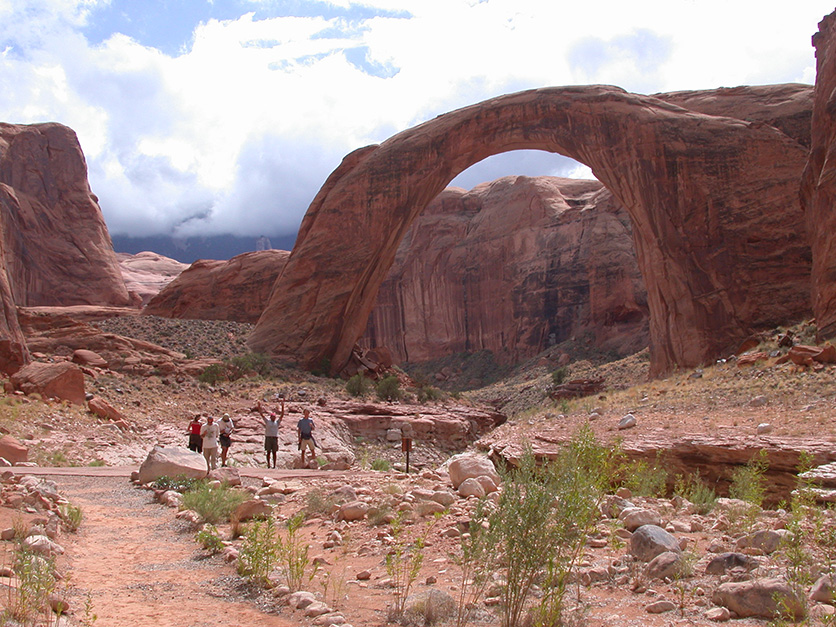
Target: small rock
x,y
823,590
628,422
718,614
634,517
658,607
764,428
363,575
649,541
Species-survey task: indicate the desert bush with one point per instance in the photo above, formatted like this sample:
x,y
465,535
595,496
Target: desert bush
x,y
180,483
693,489
542,520
379,515
213,504
429,394
209,539
247,364
317,504
388,388
259,552
748,482
359,385
71,516
34,582
560,374
646,479
381,465
293,555
403,563
476,560
212,374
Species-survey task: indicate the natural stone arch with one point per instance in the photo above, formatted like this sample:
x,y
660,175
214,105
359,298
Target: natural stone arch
x,y
714,204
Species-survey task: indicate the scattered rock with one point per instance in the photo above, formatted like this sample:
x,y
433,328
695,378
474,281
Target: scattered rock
x,y
762,598
470,466
724,562
649,541
658,607
171,461
634,517
627,422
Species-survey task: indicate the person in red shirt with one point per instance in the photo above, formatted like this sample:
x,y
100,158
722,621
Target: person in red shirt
x,y
195,441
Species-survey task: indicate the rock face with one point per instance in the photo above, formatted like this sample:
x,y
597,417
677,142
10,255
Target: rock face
x,y
146,273
237,289
818,186
713,202
57,248
62,380
513,266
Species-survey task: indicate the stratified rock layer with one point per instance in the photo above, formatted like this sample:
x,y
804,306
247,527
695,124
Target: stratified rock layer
x,y
513,266
237,289
146,273
713,200
57,248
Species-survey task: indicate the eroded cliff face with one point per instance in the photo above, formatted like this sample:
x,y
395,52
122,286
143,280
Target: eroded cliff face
x,y
237,289
57,247
513,266
818,187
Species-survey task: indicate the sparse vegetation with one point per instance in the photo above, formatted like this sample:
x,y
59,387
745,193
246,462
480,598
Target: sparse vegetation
x,y
214,505
27,601
359,385
645,479
260,551
693,489
209,539
293,555
389,388
560,375
382,465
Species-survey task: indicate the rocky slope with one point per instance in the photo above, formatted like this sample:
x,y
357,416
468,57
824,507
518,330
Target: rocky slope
x,y
513,266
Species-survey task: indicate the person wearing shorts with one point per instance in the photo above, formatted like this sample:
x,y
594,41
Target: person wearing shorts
x,y
195,441
304,428
271,431
226,428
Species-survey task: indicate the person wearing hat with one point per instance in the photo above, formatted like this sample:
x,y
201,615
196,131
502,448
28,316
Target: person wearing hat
x,y
209,432
226,428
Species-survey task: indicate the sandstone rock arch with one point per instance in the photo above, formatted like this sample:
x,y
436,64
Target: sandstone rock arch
x,y
714,203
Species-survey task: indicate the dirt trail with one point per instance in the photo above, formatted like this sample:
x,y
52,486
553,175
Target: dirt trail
x,y
142,567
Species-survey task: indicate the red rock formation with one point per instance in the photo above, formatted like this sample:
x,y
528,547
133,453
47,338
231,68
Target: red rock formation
x,y
789,107
513,266
57,248
61,380
713,202
146,273
818,186
13,350
237,289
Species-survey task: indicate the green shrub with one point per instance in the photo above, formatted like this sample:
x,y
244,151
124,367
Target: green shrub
x,y
259,551
645,479
318,504
381,465
748,482
180,483
293,555
692,488
560,375
359,385
250,363
209,539
214,505
212,374
429,394
71,516
541,523
389,388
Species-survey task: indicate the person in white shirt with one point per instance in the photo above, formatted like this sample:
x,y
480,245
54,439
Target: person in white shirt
x,y
227,428
210,432
272,421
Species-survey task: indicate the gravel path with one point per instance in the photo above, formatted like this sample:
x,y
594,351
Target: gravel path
x,y
141,566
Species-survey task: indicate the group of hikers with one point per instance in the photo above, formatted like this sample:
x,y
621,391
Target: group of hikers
x,y
205,436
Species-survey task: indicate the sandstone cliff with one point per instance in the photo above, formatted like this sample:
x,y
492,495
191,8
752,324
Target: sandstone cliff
x,y
513,266
237,289
57,248
818,187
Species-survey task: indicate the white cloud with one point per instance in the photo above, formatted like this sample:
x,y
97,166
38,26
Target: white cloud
x,y
238,132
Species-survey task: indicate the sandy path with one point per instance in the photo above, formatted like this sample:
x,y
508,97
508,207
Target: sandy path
x,y
142,567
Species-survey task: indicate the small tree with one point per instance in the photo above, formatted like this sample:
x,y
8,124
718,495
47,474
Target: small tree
x,y
389,388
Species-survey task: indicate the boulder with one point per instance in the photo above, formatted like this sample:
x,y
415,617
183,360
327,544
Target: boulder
x,y
226,474
634,517
171,461
824,589
104,410
724,562
42,545
470,466
355,510
84,357
764,540
61,380
761,598
252,508
649,541
13,450
471,487
429,607
666,565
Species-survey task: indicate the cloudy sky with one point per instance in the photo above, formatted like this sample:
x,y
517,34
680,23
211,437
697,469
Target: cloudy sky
x,y
226,116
